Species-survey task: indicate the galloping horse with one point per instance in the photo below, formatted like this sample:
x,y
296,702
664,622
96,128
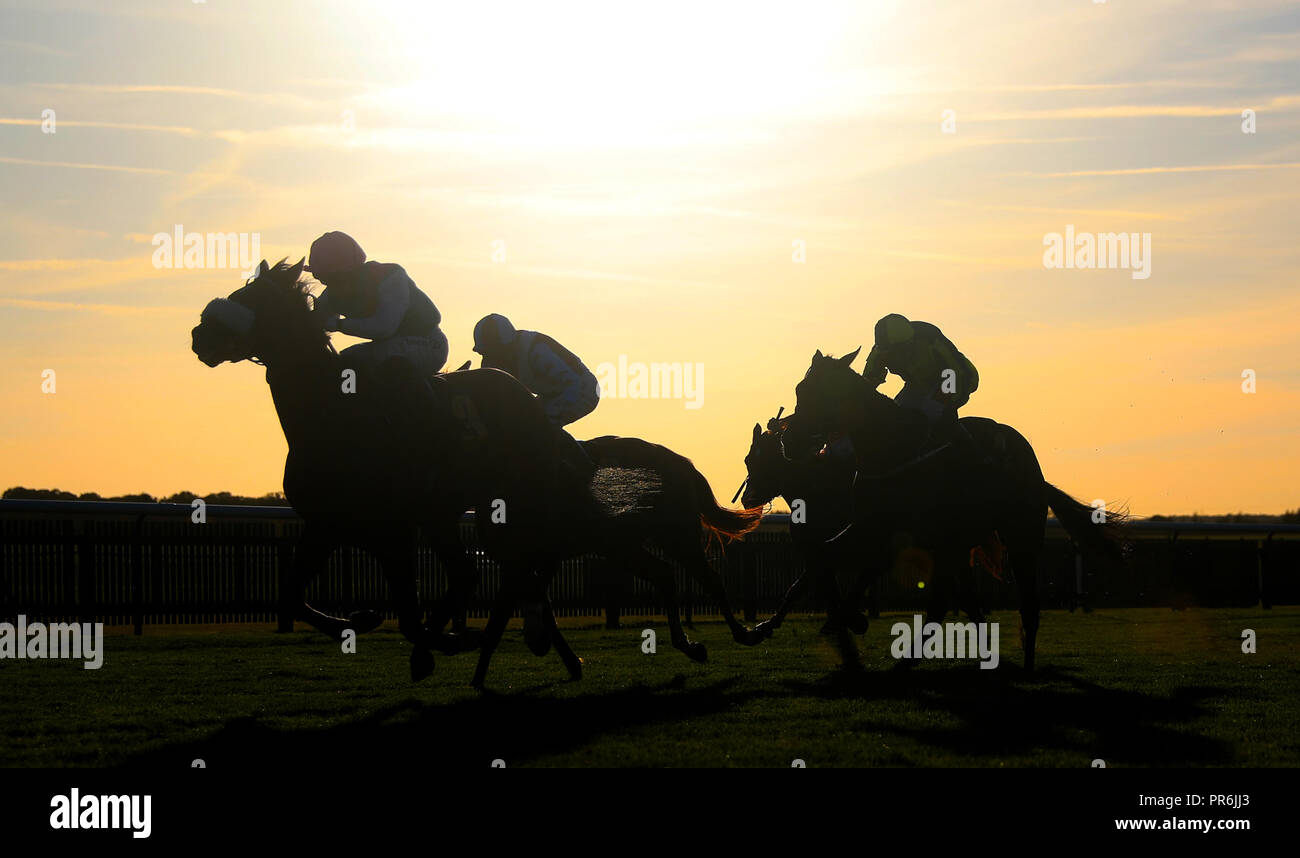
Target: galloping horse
x,y
363,469
823,491
906,485
369,462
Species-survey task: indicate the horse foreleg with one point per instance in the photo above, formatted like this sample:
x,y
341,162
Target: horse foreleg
x,y
828,593
797,589
400,570
496,624
462,579
854,620
310,556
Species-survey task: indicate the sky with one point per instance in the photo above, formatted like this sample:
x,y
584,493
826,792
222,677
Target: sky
x,y
725,186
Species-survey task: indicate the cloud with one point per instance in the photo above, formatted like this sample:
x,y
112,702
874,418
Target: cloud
x,y
110,167
1118,213
124,126
105,309
1135,171
34,48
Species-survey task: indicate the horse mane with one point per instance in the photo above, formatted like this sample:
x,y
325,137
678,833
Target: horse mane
x,y
290,302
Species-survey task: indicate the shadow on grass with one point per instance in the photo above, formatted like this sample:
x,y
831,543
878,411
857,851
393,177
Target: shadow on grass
x,y
468,733
985,716
1009,712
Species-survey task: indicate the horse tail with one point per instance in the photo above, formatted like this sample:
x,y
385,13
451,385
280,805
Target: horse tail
x,y
1106,539
720,523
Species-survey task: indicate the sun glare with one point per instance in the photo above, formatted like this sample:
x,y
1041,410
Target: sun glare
x,y
592,72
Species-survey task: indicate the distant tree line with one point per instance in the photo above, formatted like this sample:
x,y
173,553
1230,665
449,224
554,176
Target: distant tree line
x,y
219,498
1291,516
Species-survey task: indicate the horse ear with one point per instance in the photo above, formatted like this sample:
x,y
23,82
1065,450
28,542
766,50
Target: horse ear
x,y
848,359
296,271
818,355
263,268
758,431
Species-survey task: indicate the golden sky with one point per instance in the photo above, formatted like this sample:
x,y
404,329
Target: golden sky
x,y
648,171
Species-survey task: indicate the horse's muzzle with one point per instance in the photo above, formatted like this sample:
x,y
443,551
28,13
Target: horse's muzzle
x,y
206,346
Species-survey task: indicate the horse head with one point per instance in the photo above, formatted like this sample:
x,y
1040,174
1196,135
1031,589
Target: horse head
x,y
764,466
270,314
828,399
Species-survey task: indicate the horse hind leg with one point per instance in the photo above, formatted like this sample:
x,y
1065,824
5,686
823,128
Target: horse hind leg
x,y
570,659
660,575
1025,568
697,566
539,623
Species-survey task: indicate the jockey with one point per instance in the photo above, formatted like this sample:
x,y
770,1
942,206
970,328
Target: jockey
x,y
937,379
567,389
378,302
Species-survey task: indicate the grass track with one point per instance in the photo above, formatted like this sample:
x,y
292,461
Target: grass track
x,y
1140,687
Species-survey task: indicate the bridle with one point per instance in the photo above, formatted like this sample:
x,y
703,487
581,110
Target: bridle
x,y
773,425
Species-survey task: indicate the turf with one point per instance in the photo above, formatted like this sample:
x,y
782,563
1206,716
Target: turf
x,y
1142,687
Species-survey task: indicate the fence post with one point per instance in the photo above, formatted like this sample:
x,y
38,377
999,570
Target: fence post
x,y
1263,555
613,594
137,577
67,604
284,569
85,576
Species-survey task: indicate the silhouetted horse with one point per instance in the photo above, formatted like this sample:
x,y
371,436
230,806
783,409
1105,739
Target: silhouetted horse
x,y
641,493
819,491
822,486
374,455
907,486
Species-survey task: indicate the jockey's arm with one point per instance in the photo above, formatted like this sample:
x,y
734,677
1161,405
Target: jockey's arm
x,y
553,374
393,300
874,372
322,313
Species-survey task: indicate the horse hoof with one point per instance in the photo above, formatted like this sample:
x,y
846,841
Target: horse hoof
x,y
421,664
364,621
539,644
697,652
470,639
446,644
856,623
575,671
753,637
